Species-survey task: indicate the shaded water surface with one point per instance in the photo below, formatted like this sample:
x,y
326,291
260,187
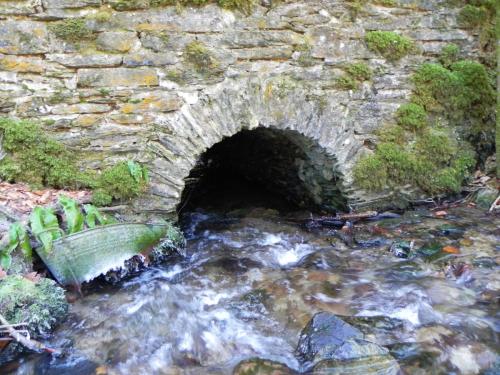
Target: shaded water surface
x,y
253,279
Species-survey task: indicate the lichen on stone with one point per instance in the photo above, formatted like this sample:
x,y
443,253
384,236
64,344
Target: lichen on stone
x,y
198,55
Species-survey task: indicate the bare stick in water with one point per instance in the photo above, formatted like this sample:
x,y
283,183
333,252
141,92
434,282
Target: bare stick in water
x,y
25,341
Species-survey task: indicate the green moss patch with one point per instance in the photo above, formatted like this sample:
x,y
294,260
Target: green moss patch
x,y
411,117
480,17
71,30
35,158
449,54
420,152
41,305
389,44
123,181
464,94
356,73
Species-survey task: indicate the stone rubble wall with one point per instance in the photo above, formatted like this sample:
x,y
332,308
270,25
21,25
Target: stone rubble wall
x,y
130,91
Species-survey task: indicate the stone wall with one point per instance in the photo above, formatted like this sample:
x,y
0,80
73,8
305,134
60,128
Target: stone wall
x,y
131,83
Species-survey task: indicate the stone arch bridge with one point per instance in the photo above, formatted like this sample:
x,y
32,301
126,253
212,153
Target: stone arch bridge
x,y
118,79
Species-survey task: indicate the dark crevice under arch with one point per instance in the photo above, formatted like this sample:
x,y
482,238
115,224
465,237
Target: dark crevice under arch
x,y
268,167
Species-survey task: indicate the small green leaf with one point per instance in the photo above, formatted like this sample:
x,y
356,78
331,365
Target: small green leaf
x,y
72,213
135,170
5,261
93,216
18,234
45,226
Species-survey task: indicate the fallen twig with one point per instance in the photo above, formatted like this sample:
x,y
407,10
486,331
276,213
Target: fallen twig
x,y
25,340
495,204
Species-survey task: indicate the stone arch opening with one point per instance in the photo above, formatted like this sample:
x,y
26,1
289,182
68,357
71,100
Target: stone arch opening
x,y
264,167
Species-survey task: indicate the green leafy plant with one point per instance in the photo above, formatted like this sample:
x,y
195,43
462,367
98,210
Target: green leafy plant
x,y
45,226
123,181
72,213
93,217
18,238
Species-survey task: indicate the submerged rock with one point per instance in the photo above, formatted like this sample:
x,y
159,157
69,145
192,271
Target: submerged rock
x,y
485,197
375,365
401,249
41,305
258,366
330,345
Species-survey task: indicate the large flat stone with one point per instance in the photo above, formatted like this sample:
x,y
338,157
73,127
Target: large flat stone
x,y
86,61
21,64
149,58
61,4
121,77
23,37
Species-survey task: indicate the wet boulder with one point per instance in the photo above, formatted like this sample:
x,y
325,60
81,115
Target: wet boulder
x,y
327,342
258,366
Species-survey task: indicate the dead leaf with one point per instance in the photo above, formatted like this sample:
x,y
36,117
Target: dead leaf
x,y
466,242
451,250
33,276
441,213
101,370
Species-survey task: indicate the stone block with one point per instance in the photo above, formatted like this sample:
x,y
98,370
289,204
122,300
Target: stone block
x,y
117,41
117,77
86,61
23,37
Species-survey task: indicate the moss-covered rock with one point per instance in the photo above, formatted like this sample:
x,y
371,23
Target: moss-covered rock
x,y
258,366
464,94
41,305
35,158
411,117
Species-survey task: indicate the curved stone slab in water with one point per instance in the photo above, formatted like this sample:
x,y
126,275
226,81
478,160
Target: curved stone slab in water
x,y
83,256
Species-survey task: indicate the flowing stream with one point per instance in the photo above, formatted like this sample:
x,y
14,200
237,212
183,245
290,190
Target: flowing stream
x,y
252,279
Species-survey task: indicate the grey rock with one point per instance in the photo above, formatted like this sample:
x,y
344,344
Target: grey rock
x,y
117,41
23,37
148,58
61,4
327,342
86,61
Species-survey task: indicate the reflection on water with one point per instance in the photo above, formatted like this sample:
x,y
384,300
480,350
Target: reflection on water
x,y
252,280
